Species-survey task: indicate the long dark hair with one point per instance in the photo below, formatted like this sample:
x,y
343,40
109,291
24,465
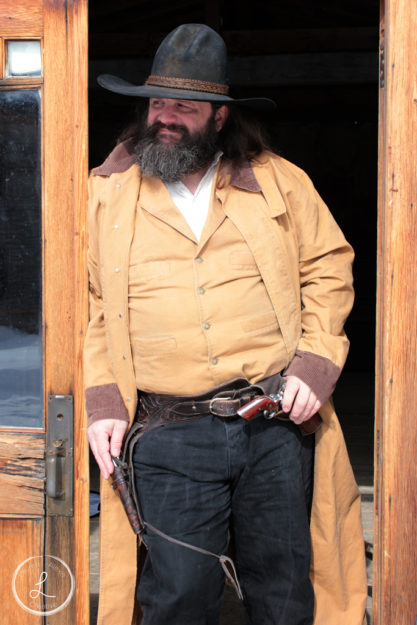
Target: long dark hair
x,y
242,138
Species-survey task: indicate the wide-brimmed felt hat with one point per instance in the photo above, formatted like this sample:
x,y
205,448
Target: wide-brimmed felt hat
x,y
190,64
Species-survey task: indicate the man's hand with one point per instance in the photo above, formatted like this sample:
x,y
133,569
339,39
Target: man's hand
x,y
105,437
299,400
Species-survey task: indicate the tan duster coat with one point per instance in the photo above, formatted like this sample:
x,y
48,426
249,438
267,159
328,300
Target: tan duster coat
x,y
296,243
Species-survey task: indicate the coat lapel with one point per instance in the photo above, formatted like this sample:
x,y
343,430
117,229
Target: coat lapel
x,y
120,199
252,213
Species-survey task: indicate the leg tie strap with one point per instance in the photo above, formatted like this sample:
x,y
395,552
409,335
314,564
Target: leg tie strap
x,y
226,562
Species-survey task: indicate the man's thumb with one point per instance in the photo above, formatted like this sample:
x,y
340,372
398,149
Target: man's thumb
x,y
117,437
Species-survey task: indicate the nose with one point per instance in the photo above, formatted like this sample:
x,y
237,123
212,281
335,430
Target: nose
x,y
167,114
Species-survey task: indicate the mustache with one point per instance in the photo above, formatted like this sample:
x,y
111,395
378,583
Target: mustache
x,y
153,129
170,162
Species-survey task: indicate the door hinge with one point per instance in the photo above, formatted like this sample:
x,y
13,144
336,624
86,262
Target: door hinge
x,y
60,456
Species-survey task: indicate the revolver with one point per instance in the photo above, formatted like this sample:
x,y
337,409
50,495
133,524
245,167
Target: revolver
x,y
270,406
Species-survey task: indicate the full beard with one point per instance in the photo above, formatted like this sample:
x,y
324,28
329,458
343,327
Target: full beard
x,y
170,162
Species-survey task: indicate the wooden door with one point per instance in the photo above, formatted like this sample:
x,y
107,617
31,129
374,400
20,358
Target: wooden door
x,y
43,311
395,560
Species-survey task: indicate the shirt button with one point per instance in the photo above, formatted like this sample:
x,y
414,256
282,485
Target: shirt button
x,y
117,269
124,357
115,226
201,290
128,398
198,259
118,185
207,326
120,315
214,361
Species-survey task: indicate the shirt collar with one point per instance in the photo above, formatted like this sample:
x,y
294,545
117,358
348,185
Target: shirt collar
x,y
180,188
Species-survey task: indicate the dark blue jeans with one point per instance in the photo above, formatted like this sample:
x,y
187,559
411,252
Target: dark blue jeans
x,y
211,480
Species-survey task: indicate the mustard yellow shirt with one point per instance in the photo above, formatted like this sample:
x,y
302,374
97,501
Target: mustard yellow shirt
x,y
199,312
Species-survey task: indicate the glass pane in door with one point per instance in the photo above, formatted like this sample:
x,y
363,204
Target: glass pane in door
x,y
23,58
20,259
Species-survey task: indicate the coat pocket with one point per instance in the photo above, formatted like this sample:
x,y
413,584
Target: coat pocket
x,y
155,346
242,260
259,323
149,271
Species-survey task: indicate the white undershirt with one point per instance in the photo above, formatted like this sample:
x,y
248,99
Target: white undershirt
x,y
194,206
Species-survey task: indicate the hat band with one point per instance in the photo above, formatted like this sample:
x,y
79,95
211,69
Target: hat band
x,y
187,83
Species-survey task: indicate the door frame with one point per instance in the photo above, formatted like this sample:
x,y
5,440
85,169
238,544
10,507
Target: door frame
x,y
395,533
395,511
65,183
64,30
395,530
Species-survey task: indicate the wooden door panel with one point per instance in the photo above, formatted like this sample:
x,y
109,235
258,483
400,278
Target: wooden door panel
x,y
20,539
21,19
22,473
29,526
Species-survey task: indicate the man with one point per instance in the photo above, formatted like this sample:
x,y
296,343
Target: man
x,y
214,268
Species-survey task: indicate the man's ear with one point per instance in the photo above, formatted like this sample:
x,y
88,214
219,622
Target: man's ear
x,y
220,117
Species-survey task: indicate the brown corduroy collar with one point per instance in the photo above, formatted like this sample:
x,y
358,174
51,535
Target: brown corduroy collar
x,y
123,157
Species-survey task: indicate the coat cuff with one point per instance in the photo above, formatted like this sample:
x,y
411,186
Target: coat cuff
x,y
320,373
105,402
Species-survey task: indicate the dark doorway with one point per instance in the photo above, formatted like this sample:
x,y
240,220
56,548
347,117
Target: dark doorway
x,y
319,62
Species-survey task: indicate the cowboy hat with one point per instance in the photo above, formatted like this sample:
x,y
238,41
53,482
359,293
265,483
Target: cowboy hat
x,y
190,64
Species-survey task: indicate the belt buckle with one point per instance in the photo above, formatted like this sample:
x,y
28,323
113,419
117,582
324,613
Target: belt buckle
x,y
234,397
227,410
212,410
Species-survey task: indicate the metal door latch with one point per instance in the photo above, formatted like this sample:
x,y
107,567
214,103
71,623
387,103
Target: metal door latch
x,y
60,456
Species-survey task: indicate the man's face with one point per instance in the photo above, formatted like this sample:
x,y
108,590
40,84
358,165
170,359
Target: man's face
x,y
191,114
180,137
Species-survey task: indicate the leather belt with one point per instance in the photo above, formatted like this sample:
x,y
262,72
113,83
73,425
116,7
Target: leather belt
x,y
222,401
